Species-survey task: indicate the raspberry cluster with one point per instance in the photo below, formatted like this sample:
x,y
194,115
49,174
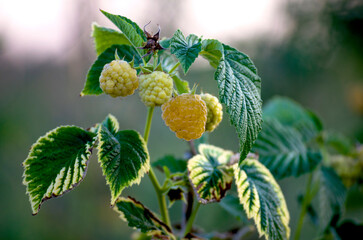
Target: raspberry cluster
x,y
215,111
118,79
186,115
155,88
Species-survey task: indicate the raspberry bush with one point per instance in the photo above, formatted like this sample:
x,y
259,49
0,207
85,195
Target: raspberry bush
x,y
290,141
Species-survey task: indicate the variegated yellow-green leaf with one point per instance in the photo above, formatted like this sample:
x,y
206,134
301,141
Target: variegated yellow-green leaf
x,y
123,156
138,216
262,199
57,163
209,173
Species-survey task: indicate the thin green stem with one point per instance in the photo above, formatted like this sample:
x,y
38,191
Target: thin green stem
x,y
190,222
310,193
153,179
174,68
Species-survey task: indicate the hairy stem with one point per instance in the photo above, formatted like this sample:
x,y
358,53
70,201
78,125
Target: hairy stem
x,y
159,193
190,222
310,193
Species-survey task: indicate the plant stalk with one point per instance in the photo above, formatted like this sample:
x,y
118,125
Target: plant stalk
x,y
309,195
190,222
174,67
159,193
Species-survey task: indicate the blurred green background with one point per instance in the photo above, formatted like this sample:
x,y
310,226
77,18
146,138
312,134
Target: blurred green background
x,y
317,60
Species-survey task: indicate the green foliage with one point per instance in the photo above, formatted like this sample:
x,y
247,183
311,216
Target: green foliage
x,y
182,86
185,49
232,205
212,50
125,52
290,113
240,90
332,194
123,156
173,164
106,37
262,199
209,173
57,163
138,216
283,151
338,143
130,29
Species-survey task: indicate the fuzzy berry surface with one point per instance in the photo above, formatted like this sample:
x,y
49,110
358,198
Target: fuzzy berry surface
x,y
186,115
215,111
118,79
155,88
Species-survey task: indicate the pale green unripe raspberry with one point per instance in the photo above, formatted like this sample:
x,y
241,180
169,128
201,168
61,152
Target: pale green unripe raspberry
x,y
155,88
215,111
118,79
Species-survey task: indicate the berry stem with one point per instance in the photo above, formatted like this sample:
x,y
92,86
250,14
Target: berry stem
x,y
174,68
190,222
159,191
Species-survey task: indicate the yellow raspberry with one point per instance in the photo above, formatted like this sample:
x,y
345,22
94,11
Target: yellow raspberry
x,y
118,79
155,88
185,115
215,112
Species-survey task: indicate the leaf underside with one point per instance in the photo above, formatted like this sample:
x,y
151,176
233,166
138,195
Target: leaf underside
x,y
57,163
262,199
208,172
283,151
123,156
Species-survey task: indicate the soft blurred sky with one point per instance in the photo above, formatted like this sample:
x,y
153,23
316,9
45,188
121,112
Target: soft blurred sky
x,y
42,28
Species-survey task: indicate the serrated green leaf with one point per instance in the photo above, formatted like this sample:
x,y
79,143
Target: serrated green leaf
x,y
332,194
262,199
106,37
138,216
212,50
124,159
129,28
209,173
173,164
57,163
240,90
290,113
186,50
283,151
232,205
92,85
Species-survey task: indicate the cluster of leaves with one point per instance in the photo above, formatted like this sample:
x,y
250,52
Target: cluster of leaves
x,y
293,142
